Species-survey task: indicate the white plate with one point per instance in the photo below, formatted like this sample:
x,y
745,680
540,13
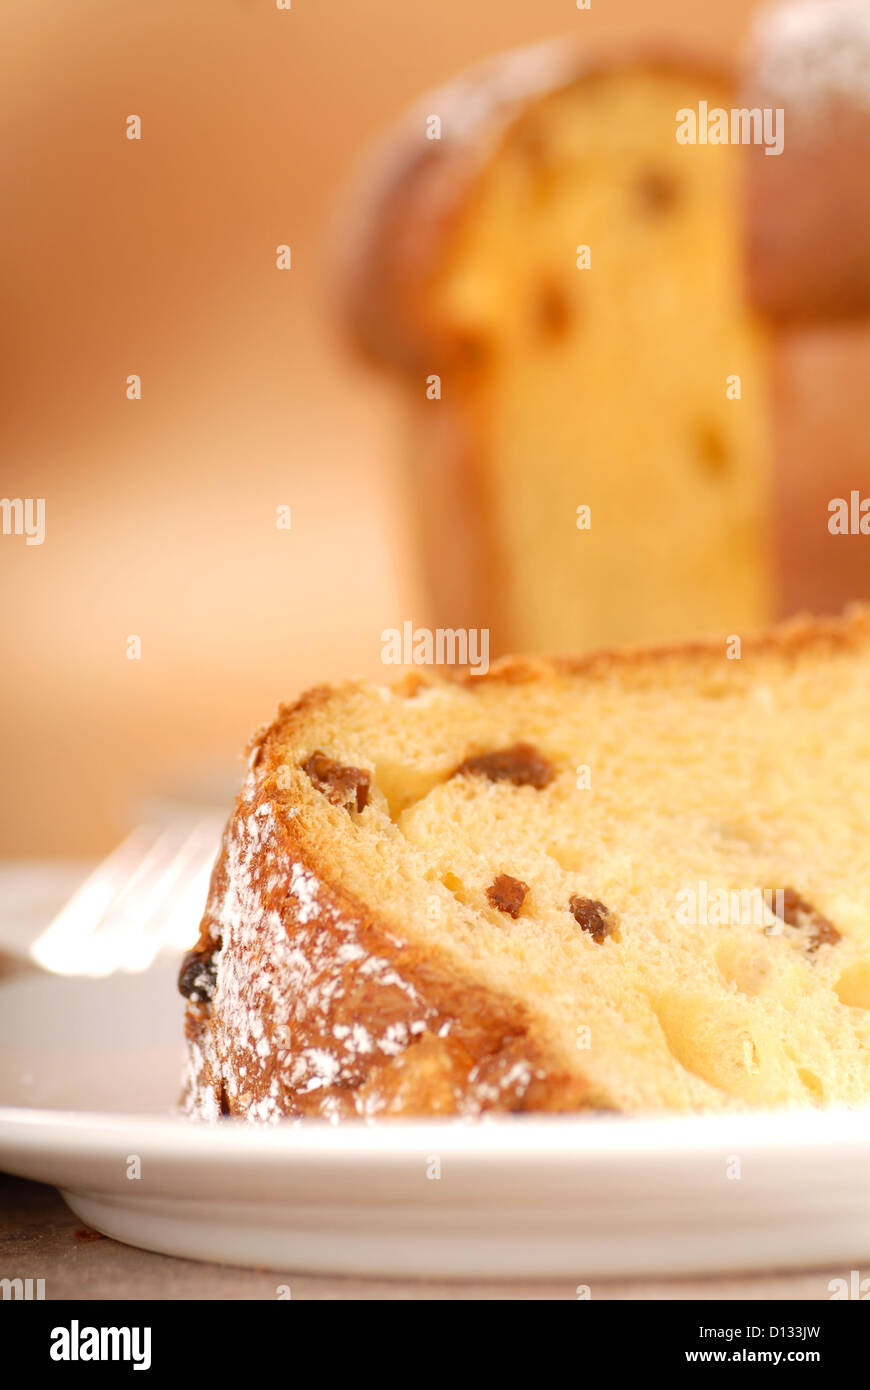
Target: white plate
x,y
89,1074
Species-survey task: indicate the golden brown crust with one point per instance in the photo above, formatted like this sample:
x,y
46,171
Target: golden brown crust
x,y
793,638
320,1008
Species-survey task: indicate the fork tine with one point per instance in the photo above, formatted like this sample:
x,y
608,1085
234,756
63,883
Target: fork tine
x,y
120,940
131,906
186,872
56,948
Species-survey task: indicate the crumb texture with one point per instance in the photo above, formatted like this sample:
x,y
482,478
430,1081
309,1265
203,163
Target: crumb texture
x,y
584,304
687,928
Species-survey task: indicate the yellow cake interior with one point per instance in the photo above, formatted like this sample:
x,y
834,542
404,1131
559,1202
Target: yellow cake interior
x,y
607,387
704,774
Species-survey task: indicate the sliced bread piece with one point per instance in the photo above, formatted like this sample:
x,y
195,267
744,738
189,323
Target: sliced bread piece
x,y
557,282
636,881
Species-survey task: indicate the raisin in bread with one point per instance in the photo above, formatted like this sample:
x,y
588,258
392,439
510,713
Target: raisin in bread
x,y
536,385
636,881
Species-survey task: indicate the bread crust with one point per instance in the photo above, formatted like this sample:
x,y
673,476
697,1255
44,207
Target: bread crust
x,y
320,1008
793,638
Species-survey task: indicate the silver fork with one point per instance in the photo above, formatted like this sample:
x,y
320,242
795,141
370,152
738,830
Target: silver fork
x,y
147,896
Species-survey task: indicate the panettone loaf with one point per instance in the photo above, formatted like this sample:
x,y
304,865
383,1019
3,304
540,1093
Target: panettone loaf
x,y
636,881
543,378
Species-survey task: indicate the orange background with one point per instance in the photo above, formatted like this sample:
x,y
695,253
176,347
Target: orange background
x,y
157,257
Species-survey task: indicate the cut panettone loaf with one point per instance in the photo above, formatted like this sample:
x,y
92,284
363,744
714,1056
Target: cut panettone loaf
x,y
636,881
559,284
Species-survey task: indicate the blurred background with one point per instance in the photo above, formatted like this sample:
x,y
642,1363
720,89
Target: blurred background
x,y
157,257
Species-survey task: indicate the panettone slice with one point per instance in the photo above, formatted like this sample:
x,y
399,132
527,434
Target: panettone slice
x,y
636,881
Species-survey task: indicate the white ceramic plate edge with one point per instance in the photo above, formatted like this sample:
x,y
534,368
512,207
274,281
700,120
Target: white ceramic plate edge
x,y
516,1197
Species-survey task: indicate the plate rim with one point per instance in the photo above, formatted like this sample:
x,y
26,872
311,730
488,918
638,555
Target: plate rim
x,y
501,1138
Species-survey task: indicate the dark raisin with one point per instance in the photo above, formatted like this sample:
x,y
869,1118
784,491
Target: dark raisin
x,y
529,141
656,192
507,894
473,350
551,311
824,934
520,764
795,911
711,451
343,786
198,973
593,917
224,1102
543,169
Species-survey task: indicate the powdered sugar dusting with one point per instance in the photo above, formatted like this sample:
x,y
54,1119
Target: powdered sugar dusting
x,y
303,887
508,80
813,51
286,957
311,1004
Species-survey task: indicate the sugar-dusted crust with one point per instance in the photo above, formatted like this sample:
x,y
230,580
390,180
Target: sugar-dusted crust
x,y
320,1008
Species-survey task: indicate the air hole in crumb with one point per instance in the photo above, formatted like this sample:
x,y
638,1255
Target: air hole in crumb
x,y
743,968
455,886
569,859
710,1043
853,986
710,450
403,786
812,1083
